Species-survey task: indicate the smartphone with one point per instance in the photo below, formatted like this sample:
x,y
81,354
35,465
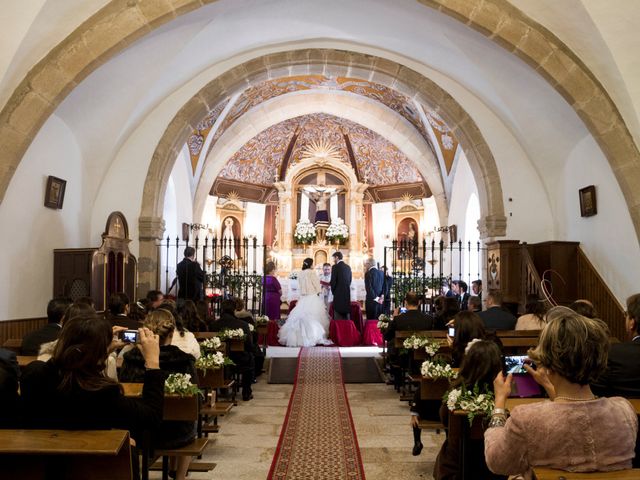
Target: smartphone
x,y
129,336
515,364
403,309
452,332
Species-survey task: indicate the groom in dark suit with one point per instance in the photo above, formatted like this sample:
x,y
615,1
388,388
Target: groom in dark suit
x,y
340,287
374,286
190,276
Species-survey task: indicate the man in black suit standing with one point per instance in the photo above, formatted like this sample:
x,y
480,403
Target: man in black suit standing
x,y
495,317
340,287
460,288
622,377
55,311
190,276
374,287
388,283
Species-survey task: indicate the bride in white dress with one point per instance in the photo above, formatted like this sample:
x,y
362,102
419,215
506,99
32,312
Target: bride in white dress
x,y
308,322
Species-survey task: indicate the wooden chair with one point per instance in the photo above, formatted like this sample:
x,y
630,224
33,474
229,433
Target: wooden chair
x,y
551,474
68,454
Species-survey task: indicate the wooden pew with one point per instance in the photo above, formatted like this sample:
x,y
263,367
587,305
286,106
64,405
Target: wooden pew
x,y
24,360
13,344
68,454
180,409
551,474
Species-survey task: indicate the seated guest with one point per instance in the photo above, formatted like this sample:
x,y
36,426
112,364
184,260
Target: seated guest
x,y
119,311
154,299
85,301
74,310
481,363
474,304
476,288
534,316
137,312
76,393
10,413
182,338
495,317
468,326
622,376
584,308
242,313
449,308
190,317
172,434
244,360
55,310
575,431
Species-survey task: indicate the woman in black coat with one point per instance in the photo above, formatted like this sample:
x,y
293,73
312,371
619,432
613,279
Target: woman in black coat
x,y
172,434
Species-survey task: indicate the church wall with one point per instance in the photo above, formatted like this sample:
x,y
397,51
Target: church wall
x,y
608,238
30,231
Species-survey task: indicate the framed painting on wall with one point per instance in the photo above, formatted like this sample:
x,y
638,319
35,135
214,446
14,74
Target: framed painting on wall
x,y
54,193
588,205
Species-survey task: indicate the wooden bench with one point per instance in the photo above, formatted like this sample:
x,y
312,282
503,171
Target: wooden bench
x,y
551,474
13,344
176,408
68,454
24,360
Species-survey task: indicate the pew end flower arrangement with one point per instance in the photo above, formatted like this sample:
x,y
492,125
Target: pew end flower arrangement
x,y
472,401
305,232
437,370
232,334
210,345
213,361
383,322
180,384
262,320
415,342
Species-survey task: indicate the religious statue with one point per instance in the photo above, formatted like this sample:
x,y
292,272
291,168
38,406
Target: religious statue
x,y
411,234
321,196
228,238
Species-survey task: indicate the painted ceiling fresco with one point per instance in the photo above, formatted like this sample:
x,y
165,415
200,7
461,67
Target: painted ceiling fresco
x,y
379,162
264,91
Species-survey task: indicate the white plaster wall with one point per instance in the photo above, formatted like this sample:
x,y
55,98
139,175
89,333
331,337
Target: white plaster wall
x,y
608,238
30,231
383,229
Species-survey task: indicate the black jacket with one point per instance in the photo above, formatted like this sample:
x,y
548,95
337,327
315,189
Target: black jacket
x,y
124,321
411,320
495,318
78,409
622,377
172,360
341,287
374,287
190,280
32,341
10,414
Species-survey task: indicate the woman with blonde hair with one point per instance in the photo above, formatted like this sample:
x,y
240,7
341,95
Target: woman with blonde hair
x,y
172,434
574,430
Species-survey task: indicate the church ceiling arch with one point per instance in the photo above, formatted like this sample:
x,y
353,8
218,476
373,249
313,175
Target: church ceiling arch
x,y
403,105
379,162
119,24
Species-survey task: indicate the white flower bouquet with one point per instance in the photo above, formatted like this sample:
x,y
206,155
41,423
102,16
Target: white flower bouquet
x,y
212,344
293,276
212,361
337,231
415,342
251,327
180,384
262,320
383,322
305,232
471,401
437,370
232,334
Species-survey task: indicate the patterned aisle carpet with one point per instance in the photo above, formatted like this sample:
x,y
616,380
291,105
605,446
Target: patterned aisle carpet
x,y
318,440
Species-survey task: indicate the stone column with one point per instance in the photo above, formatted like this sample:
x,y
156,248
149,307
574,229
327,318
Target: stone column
x,y
150,231
356,229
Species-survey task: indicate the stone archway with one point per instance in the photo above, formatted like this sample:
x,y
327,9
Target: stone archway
x,y
121,22
332,62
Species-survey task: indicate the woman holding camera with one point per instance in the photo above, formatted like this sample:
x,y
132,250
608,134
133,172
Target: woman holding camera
x,y
575,431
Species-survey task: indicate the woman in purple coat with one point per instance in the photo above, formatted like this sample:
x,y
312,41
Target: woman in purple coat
x,y
272,292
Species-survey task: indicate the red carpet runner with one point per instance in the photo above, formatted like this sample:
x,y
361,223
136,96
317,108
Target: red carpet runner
x,y
318,439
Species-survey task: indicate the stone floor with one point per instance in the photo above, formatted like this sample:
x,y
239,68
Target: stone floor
x,y
246,443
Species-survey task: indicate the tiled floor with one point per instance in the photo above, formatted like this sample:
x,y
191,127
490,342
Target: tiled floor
x,y
246,443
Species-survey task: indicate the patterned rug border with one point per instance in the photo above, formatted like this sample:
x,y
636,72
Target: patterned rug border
x,y
283,430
